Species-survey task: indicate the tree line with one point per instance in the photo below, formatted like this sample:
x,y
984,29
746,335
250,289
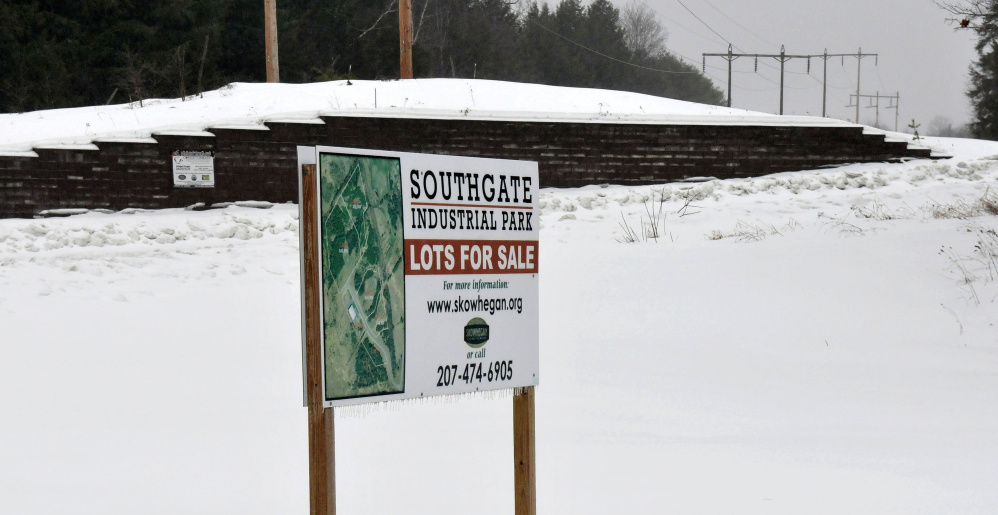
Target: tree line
x,y
66,53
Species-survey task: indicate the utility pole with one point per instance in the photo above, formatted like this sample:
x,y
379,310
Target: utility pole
x,y
897,102
824,83
877,119
270,38
783,57
859,68
405,39
727,57
875,103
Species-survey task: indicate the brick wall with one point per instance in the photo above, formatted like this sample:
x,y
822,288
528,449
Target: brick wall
x,y
261,165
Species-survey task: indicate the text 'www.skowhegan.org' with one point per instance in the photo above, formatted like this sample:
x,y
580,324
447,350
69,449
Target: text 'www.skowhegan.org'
x,y
462,305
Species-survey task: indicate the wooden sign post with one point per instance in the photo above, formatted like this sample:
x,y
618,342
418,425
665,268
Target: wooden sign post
x,y
525,476
517,300
321,447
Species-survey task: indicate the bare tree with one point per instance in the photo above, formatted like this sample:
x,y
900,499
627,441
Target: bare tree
x,y
521,7
943,126
970,14
940,126
644,35
180,62
134,77
392,7
204,55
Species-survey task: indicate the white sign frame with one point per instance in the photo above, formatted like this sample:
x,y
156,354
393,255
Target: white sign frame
x,y
499,304
193,168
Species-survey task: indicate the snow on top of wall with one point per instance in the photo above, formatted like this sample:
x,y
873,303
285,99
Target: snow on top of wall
x,y
249,106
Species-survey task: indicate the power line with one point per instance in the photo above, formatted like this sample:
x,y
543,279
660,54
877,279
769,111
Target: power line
x,y
597,52
760,38
783,57
895,102
746,29
717,33
701,21
742,88
731,56
695,33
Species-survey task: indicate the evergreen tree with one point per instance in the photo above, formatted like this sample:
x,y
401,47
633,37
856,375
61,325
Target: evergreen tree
x,y
467,38
603,32
981,16
983,90
65,53
70,53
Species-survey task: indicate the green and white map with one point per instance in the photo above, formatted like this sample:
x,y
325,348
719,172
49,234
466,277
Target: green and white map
x,y
363,282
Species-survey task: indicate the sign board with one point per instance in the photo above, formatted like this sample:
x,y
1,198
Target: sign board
x,y
429,274
193,168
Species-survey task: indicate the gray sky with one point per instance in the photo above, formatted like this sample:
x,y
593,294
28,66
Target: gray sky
x,y
920,55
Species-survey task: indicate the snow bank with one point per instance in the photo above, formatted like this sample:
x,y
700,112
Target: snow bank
x,y
869,176
133,228
248,106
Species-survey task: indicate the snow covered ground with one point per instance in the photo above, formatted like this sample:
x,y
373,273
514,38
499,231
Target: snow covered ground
x,y
811,342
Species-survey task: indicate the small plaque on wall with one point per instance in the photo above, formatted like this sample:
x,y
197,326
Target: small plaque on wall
x,y
193,168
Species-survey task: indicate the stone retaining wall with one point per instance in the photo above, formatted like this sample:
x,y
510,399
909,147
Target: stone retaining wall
x,y
261,164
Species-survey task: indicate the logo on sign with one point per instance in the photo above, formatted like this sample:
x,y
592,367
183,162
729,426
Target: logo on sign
x,y
476,333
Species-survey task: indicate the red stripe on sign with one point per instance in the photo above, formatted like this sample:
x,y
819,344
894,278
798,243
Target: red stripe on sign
x,y
446,257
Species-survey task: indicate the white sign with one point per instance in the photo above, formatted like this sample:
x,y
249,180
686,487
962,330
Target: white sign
x,y
193,168
429,274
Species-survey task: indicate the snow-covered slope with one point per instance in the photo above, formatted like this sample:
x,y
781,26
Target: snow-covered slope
x,y
816,342
250,105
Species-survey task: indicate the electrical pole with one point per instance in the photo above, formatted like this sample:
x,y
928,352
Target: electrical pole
x,y
783,57
859,67
405,39
824,83
730,58
727,57
897,102
270,39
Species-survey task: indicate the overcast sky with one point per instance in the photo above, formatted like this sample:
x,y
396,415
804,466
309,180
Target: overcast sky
x,y
920,56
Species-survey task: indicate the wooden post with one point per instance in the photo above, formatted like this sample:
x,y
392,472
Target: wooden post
x,y
270,38
525,482
321,448
405,39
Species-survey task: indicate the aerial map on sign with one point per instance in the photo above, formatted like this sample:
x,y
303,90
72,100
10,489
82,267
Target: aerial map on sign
x,y
363,280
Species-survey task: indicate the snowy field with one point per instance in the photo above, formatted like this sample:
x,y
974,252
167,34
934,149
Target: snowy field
x,y
818,342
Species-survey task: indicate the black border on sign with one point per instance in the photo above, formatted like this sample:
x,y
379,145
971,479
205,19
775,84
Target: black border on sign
x,y
322,311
